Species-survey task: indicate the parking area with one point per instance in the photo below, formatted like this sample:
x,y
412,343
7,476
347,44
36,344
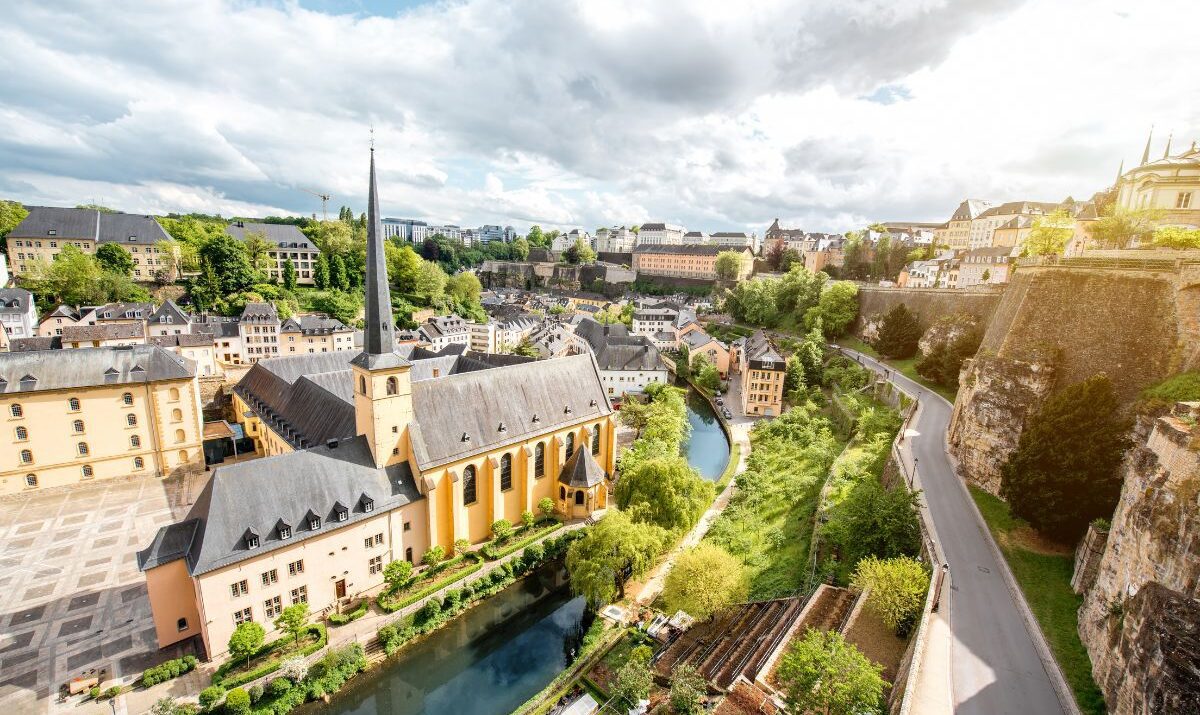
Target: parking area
x,y
72,602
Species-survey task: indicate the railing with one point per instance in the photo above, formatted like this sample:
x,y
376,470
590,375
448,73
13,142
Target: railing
x,y
1106,263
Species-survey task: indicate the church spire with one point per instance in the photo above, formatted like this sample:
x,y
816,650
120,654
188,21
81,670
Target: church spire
x,y
380,328
1167,151
1120,172
1146,151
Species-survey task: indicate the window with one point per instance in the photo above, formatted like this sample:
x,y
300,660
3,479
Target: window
x,y
408,526
177,415
22,434
173,395
376,540
314,523
506,472
181,624
139,463
270,577
77,425
393,386
239,588
562,492
135,441
300,595
252,541
272,606
242,616
596,440
73,404
570,444
408,555
26,456
539,460
285,532
1183,200
579,496
375,565
362,385
131,420
16,410
296,567
179,437
469,485
31,480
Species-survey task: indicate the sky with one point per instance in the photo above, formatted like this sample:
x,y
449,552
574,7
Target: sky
x,y
716,115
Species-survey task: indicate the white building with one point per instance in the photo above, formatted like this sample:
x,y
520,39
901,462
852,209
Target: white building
x,y
18,314
695,237
3,270
483,337
258,330
628,363
660,234
290,245
735,239
617,239
445,330
563,241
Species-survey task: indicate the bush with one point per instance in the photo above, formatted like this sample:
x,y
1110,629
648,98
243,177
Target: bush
x,y
897,587
430,610
237,702
223,678
534,553
210,696
546,506
278,687
386,634
94,693
501,530
433,556
256,693
528,519
170,669
341,619
113,692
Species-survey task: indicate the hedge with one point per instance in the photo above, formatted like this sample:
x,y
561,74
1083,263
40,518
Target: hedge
x,y
341,619
235,680
493,551
391,607
170,669
327,675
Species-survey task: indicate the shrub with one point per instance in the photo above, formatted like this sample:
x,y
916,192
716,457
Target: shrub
x,y
210,696
546,506
397,574
113,692
461,546
453,599
534,553
501,530
279,686
897,587
237,702
528,519
294,669
340,619
433,556
386,634
94,693
256,693
170,669
430,610
899,333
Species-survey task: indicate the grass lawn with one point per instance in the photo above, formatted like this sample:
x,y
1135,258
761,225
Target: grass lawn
x,y
1044,573
907,367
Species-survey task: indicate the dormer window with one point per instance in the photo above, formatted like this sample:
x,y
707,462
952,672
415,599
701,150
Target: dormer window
x,y
52,232
285,531
536,419
368,504
251,539
502,428
314,522
465,437
341,513
567,410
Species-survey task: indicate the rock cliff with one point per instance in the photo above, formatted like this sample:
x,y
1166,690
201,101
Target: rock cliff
x,y
1140,620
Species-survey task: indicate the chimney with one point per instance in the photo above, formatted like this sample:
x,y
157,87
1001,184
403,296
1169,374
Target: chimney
x,y
332,444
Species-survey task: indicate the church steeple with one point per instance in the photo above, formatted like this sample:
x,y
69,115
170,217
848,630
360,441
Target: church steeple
x,y
1120,172
380,333
1167,151
1146,151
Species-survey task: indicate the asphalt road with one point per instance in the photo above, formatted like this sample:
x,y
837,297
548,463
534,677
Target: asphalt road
x,y
995,667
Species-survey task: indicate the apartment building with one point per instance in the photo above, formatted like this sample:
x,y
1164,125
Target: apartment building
x,y
289,244
314,333
660,234
18,314
762,368
627,363
445,330
617,239
984,226
48,229
958,233
258,329
680,261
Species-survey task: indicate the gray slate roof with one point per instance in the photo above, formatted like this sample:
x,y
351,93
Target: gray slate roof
x,y
22,345
581,470
616,349
130,229
313,325
90,367
246,496
103,331
66,223
183,340
688,249
124,311
283,235
15,300
173,314
759,349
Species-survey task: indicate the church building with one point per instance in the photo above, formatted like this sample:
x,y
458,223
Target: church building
x,y
371,458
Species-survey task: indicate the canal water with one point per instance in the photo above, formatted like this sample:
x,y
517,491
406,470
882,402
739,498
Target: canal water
x,y
486,661
707,448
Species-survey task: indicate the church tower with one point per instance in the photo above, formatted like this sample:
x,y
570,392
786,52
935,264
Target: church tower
x,y
382,384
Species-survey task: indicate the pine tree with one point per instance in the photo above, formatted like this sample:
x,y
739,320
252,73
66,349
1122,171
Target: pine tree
x,y
337,273
1064,472
321,273
289,274
899,333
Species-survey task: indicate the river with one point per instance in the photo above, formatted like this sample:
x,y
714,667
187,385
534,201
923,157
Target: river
x,y
707,448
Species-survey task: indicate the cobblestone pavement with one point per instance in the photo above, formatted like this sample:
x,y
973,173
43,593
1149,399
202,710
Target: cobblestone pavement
x,y
72,600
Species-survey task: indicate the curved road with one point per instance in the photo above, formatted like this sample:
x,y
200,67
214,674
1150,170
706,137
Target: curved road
x,y
995,666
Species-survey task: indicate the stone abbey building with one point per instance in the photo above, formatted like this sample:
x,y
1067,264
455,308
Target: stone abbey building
x,y
372,458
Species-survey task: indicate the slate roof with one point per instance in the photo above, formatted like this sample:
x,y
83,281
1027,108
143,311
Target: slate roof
x,y
283,235
22,345
698,338
103,331
969,209
130,229
62,311
90,367
183,340
15,300
759,349
169,313
691,249
259,313
1021,207
581,470
65,222
124,311
313,325
616,349
246,496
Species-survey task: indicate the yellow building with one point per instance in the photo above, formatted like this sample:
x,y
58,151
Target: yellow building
x,y
686,261
79,415
48,229
1170,186
376,458
314,334
957,234
762,369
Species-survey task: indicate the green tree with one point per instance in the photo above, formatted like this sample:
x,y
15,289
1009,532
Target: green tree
x,y
528,519
292,620
633,682
1050,234
337,273
237,702
728,265
404,265
1119,227
836,310
898,588
396,574
799,289
431,283
210,696
96,207
943,363
72,277
520,249
535,237
245,641
224,255
596,563
502,529
687,690
874,520
1177,237
811,355
793,376
525,349
114,258
665,492
822,673
754,302
258,250
343,306
12,214
546,506
704,580
321,273
289,275
464,288
1064,472
899,333
433,556
580,252
703,372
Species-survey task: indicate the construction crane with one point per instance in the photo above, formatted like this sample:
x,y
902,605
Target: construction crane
x,y
324,202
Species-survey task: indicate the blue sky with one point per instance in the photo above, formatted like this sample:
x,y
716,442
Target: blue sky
x,y
827,114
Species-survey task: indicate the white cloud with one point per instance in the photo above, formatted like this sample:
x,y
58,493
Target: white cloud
x,y
713,114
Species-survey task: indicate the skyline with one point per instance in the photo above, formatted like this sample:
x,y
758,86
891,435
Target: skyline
x,y
827,116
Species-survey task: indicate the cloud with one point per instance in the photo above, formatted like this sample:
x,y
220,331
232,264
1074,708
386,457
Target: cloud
x,y
712,114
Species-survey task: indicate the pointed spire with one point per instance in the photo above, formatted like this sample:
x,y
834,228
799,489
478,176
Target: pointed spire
x,y
1146,151
380,328
1120,172
1167,151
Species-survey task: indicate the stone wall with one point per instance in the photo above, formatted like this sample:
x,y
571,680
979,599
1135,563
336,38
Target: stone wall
x,y
1087,558
534,274
1140,620
928,303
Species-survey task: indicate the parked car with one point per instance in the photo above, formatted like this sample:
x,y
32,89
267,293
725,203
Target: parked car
x,y
727,413
720,402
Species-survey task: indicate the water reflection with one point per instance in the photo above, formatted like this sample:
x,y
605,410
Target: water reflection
x,y
707,448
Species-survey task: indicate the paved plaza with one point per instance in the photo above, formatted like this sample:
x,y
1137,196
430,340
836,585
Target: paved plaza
x,y
72,601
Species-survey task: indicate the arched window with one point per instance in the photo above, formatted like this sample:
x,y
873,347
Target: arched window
x,y
16,411
469,495
579,496
393,386
87,471
177,415
135,441
596,440
539,460
78,426
183,456
173,395
127,398
562,492
26,456
31,480
179,435
139,463
131,420
73,404
22,434
82,448
570,444
506,472
362,385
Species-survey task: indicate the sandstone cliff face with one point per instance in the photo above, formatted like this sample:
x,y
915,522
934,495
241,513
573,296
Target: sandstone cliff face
x,y
947,329
1140,620
928,303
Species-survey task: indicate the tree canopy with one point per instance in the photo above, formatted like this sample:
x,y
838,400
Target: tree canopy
x,y
821,672
836,310
728,265
598,562
114,258
899,333
1177,237
580,252
664,491
898,587
704,580
1050,234
1118,227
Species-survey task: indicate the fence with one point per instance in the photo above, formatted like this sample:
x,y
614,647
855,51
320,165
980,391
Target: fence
x,y
1172,264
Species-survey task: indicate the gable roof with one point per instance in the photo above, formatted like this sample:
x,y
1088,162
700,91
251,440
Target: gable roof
x,y
15,300
616,349
313,325
581,470
130,229
66,223
103,331
283,235
171,312
90,367
688,249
